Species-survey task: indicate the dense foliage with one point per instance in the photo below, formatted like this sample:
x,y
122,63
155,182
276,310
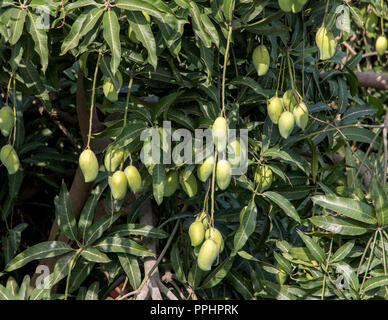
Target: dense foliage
x,y
81,80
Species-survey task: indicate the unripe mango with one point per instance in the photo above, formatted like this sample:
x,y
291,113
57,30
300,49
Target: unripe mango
x,y
326,43
215,235
263,178
223,174
286,124
289,100
196,233
89,165
205,169
207,255
285,5
275,109
189,186
172,183
133,178
261,60
220,133
9,159
118,185
381,45
301,115
113,159
6,120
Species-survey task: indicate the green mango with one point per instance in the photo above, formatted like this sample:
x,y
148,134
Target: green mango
x,y
301,115
263,178
6,120
9,159
235,153
215,235
286,124
207,255
275,109
223,174
261,60
133,178
172,183
205,170
196,233
326,43
89,165
220,133
113,158
381,45
189,186
118,185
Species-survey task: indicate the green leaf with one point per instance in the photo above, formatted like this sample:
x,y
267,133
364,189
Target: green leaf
x,y
79,4
5,294
198,26
292,157
131,229
351,208
112,37
250,83
80,272
122,245
92,254
88,211
158,182
283,203
131,269
64,214
93,16
144,34
349,274
17,24
97,229
219,273
140,5
278,292
39,36
375,282
24,290
381,202
247,226
313,247
227,9
240,284
339,225
164,104
39,251
342,252
130,136
176,261
14,184
61,270
92,293
72,38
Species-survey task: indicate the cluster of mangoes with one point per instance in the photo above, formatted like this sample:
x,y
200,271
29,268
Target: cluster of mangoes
x,y
206,240
8,155
118,180
287,111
